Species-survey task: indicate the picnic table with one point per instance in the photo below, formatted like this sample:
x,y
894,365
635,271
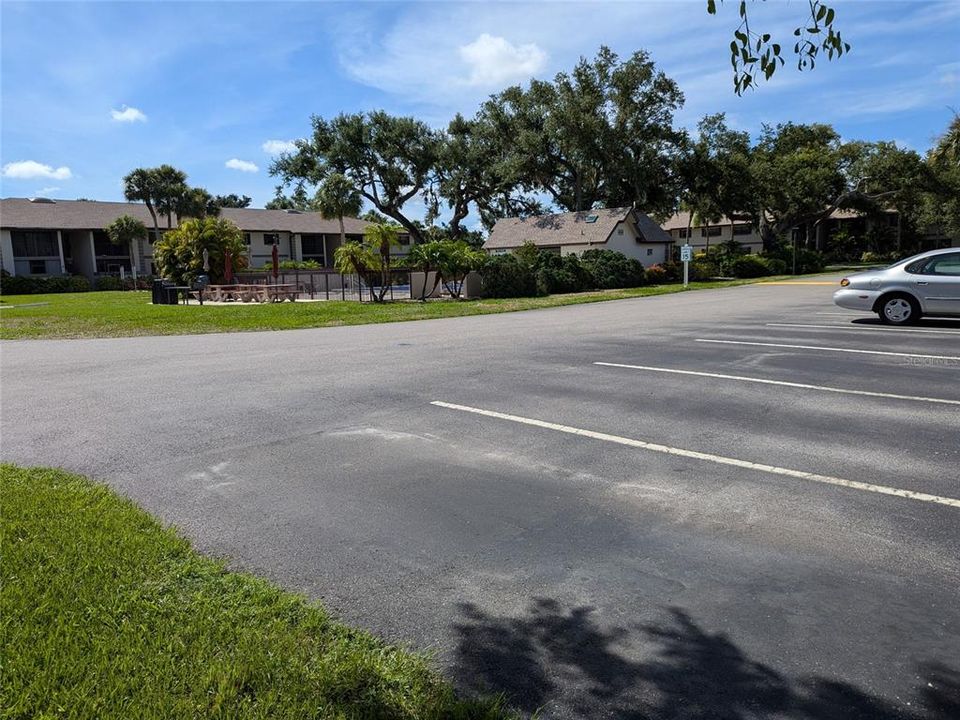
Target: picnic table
x,y
251,293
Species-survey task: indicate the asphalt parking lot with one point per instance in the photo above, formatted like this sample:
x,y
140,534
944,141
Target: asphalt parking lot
x,y
733,503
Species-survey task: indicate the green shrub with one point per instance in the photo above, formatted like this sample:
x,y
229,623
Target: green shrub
x,y
808,261
78,283
561,274
776,265
57,284
673,270
657,275
749,266
612,269
17,284
27,285
875,258
507,276
724,254
703,268
108,282
178,255
297,265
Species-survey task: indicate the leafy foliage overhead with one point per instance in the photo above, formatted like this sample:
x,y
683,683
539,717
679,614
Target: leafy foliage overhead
x,y
755,54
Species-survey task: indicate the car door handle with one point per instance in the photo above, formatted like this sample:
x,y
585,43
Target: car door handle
x,y
922,282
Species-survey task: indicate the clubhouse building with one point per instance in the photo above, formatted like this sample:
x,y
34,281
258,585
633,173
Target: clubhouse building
x,y
625,230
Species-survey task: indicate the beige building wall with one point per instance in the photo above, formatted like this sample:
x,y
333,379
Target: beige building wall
x,y
698,240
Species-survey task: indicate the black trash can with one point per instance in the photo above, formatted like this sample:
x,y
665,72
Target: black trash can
x,y
162,292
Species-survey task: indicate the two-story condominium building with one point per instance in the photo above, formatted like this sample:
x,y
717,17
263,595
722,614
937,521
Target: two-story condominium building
x,y
685,230
40,236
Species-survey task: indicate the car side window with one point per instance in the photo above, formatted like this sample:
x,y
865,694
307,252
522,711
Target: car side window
x,y
948,264
916,267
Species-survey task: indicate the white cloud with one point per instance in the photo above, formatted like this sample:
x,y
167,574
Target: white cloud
x,y
128,114
276,147
31,169
46,191
421,57
494,60
241,165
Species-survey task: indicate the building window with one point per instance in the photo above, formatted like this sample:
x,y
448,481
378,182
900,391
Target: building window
x,y
103,247
38,267
619,231
403,239
311,248
682,233
743,229
246,238
649,251
710,231
34,243
592,218
271,239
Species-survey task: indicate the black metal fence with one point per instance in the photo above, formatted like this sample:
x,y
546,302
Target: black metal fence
x,y
331,285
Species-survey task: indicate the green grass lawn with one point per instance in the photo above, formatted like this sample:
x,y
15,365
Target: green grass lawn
x,y
120,314
106,614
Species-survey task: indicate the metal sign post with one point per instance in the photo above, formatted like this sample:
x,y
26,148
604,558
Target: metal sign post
x,y
686,255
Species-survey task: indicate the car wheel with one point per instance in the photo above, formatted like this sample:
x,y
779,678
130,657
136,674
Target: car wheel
x,y
899,310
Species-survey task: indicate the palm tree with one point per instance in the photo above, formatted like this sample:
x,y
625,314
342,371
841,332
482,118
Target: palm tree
x,y
197,203
337,197
380,238
946,153
170,187
140,185
127,231
427,257
355,258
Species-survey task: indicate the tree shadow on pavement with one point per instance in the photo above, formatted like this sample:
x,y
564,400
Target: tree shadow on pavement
x,y
561,662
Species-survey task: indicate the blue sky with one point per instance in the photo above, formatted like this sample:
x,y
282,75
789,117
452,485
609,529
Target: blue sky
x,y
90,91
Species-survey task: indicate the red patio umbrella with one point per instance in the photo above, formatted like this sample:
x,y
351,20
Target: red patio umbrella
x,y
228,267
276,262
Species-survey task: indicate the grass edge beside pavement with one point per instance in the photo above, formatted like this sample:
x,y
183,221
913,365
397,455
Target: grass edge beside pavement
x,y
129,314
106,613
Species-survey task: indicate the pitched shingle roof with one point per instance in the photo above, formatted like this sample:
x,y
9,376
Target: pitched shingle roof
x,y
96,215
679,220
572,228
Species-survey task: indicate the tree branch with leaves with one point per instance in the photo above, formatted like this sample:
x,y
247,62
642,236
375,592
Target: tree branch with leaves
x,y
757,54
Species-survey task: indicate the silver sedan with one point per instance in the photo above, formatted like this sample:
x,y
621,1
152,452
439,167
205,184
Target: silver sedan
x,y
925,284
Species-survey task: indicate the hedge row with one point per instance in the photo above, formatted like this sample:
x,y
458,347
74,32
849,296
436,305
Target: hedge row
x,y
533,272
26,285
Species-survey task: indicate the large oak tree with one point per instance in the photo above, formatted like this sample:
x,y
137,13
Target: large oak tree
x,y
388,159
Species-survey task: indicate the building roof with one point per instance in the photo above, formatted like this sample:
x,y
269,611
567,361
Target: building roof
x,y
95,215
572,228
679,220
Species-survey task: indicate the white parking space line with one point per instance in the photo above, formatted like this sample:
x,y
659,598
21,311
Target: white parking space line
x,y
867,327
707,457
765,381
828,349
